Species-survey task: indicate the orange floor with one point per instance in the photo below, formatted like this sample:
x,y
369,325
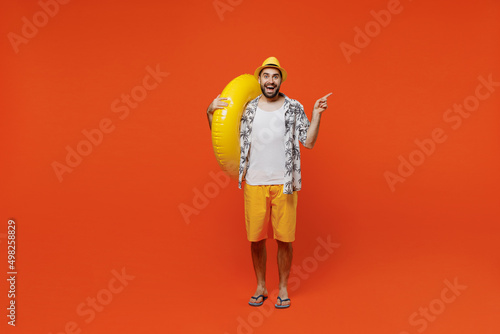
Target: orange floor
x,y
125,224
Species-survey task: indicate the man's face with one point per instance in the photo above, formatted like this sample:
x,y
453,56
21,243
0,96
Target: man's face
x,y
270,81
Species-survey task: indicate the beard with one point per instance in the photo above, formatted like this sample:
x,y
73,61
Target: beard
x,y
270,94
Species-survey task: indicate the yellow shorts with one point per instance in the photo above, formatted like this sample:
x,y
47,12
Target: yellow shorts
x,y
268,203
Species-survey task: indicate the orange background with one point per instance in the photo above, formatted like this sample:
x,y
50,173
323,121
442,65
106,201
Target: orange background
x,y
120,207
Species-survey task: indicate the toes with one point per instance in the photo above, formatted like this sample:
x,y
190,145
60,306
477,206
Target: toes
x,y
282,302
255,300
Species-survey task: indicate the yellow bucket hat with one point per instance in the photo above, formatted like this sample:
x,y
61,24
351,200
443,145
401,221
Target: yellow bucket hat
x,y
271,62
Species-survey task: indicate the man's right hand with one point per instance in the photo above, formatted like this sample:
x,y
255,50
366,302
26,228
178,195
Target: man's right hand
x,y
217,103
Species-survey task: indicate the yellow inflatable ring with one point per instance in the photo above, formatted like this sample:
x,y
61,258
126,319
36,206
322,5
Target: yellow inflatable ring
x,y
226,122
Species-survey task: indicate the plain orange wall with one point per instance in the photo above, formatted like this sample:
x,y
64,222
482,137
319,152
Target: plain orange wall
x,y
121,205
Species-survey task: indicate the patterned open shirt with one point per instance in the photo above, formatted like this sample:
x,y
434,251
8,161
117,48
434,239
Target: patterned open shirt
x,y
296,125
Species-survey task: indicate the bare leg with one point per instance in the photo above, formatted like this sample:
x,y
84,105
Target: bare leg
x,y
259,258
285,254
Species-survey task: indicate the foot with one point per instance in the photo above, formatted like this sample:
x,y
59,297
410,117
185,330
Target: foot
x,y
258,297
283,300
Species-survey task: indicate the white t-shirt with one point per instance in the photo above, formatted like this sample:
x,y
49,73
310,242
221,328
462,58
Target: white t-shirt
x,y
267,148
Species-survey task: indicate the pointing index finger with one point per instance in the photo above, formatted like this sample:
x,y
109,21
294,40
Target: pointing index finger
x,y
327,95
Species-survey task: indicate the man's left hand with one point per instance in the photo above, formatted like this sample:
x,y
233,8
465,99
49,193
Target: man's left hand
x,y
321,104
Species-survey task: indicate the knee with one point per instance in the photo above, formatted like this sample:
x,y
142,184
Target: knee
x,y
283,244
259,244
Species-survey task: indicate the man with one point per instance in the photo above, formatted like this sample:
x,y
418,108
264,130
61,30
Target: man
x,y
271,127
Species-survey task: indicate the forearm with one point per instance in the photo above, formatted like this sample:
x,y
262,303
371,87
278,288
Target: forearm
x,y
218,103
210,116
312,132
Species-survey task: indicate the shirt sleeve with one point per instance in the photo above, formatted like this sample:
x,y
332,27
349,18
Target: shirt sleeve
x,y
302,124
